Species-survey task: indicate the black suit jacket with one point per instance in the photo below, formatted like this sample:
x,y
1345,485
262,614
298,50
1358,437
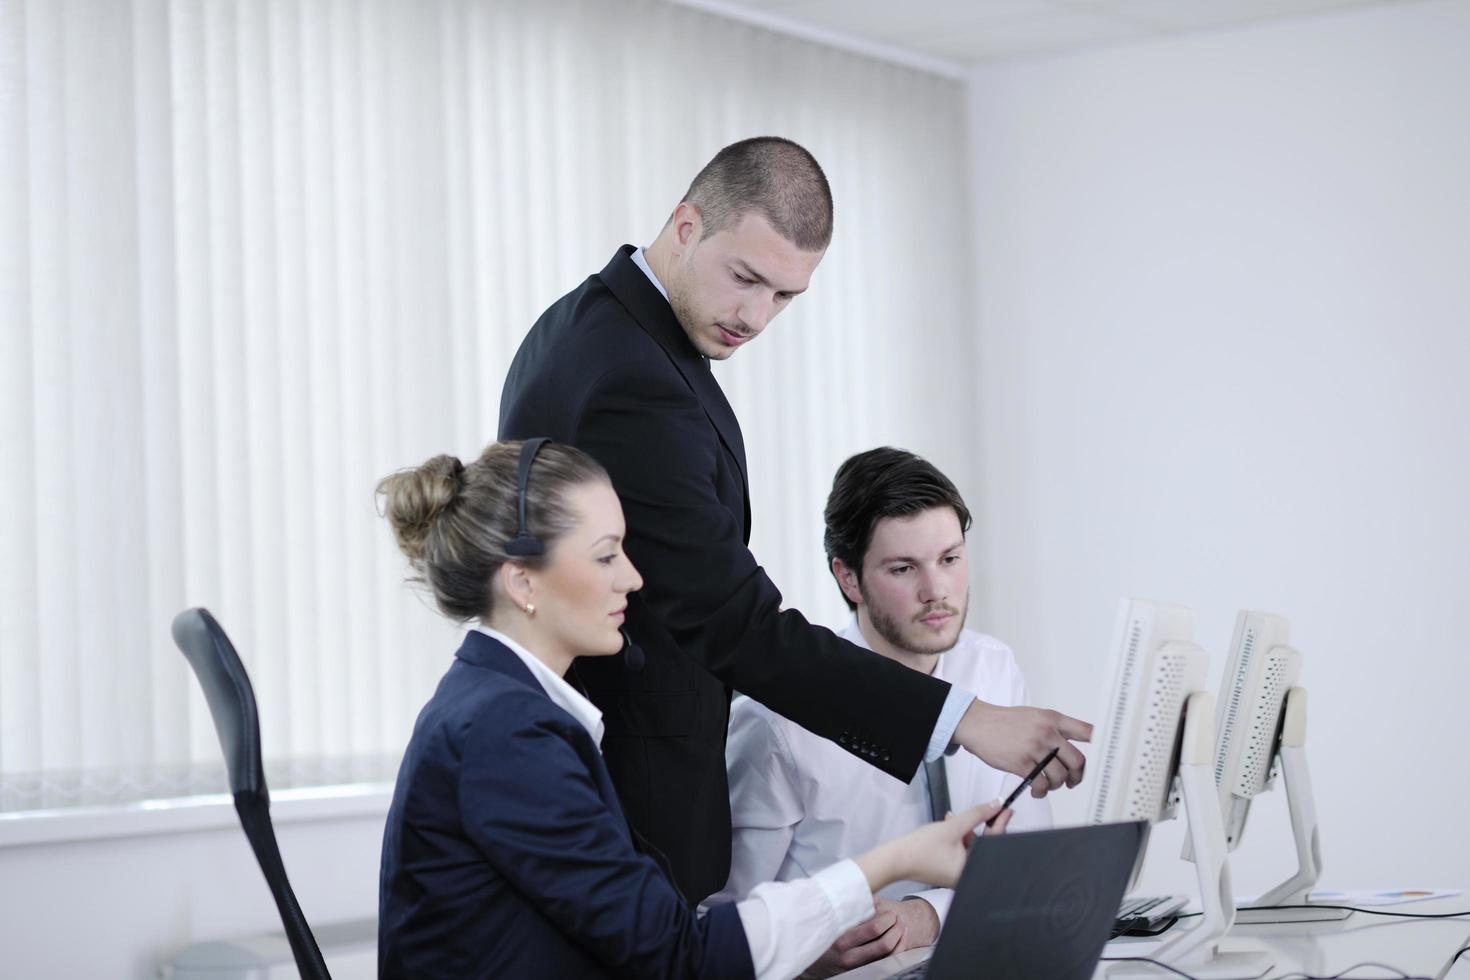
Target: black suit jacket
x,y
609,369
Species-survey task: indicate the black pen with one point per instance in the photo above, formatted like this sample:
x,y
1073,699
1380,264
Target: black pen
x,y
1031,777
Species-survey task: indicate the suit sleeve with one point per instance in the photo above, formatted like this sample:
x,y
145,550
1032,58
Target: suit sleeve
x,y
718,606
529,803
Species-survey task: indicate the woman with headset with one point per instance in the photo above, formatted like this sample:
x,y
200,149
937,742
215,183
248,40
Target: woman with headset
x,y
506,853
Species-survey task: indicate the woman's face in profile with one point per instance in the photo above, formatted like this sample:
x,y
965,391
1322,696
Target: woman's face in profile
x,y
582,590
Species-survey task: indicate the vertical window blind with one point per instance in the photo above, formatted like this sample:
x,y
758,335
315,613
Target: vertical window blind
x,y
255,255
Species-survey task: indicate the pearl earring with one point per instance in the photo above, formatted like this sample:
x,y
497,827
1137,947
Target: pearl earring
x,y
530,609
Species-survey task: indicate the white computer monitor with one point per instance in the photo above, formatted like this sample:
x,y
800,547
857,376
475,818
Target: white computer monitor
x,y
1155,667
1261,668
1261,729
1155,746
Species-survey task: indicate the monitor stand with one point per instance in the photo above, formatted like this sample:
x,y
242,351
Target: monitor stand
x,y
1197,951
1295,890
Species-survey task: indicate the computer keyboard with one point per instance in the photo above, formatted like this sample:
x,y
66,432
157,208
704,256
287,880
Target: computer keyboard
x,y
1147,913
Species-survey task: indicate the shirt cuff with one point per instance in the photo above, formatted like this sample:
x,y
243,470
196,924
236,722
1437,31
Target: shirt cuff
x,y
938,899
788,924
955,705
846,887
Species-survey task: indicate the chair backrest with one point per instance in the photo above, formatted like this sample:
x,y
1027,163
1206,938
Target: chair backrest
x,y
232,706
229,694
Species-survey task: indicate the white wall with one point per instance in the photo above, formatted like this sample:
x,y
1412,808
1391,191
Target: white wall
x,y
1223,300
121,906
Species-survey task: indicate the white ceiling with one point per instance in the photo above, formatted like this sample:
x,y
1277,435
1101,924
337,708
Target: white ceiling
x,y
957,33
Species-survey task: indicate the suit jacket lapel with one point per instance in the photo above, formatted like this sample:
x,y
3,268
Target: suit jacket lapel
x,y
653,313
489,653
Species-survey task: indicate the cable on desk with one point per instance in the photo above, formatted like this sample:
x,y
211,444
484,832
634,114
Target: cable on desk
x,y
1399,974
1374,910
1358,966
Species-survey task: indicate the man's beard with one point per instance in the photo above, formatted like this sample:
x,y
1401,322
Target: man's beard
x,y
891,630
692,319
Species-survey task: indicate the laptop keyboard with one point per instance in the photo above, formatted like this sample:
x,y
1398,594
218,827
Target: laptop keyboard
x,y
1140,905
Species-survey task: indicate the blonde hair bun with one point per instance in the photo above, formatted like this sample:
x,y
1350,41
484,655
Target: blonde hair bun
x,y
413,499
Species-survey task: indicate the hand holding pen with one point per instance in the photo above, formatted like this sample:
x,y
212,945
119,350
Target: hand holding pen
x,y
1030,777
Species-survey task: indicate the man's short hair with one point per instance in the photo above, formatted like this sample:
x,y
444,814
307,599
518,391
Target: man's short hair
x,y
769,176
881,483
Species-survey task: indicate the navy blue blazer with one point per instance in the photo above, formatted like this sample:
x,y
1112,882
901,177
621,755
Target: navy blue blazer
x,y
506,853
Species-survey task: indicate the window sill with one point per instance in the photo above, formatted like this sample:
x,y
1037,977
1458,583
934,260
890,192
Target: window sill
x,y
194,813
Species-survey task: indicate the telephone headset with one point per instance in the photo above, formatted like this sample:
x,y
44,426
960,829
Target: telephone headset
x,y
527,545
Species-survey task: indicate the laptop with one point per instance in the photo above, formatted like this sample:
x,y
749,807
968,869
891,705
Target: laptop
x,y
1030,904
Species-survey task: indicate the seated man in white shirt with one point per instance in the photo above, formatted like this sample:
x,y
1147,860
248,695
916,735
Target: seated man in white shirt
x,y
895,540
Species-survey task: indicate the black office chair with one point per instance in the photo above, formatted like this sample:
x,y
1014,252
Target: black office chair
x,y
232,704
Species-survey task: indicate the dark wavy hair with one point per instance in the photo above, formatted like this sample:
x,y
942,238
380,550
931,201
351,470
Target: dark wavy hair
x,y
879,483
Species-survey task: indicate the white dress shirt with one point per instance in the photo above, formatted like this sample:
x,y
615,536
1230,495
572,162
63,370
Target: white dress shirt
x,y
641,261
562,694
787,924
799,801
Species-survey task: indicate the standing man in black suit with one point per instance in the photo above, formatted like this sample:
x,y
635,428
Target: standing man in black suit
x,y
619,367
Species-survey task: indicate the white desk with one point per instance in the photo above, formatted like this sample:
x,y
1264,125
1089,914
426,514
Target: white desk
x,y
1418,947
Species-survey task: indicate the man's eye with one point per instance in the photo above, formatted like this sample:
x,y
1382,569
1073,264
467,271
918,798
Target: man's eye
x,y
899,569
742,279
607,559
951,559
